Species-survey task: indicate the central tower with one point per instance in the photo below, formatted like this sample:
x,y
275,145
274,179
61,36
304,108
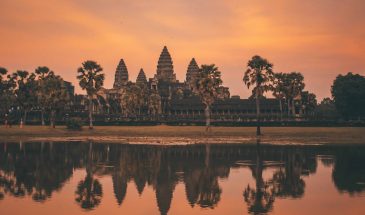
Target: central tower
x,y
165,69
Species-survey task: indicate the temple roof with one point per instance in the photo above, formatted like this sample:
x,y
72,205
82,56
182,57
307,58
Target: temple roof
x,y
193,70
165,68
141,78
121,75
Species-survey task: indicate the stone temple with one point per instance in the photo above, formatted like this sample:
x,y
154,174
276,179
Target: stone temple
x,y
178,100
121,75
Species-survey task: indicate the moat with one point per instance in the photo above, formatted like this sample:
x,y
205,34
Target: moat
x,y
101,178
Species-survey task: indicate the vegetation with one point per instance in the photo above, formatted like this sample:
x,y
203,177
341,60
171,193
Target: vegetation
x,y
260,75
48,97
91,79
74,124
348,92
42,73
207,84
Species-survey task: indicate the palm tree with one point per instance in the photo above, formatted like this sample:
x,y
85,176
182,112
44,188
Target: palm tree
x,y
42,72
90,79
208,82
260,74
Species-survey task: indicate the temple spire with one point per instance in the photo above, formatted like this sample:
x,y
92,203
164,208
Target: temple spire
x,y
165,68
121,75
141,78
193,70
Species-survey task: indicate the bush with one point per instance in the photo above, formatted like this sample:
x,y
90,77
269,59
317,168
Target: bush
x,y
74,124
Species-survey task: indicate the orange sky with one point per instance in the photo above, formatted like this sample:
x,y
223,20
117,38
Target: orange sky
x,y
318,38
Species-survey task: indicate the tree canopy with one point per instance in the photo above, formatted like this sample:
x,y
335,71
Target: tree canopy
x,y
348,92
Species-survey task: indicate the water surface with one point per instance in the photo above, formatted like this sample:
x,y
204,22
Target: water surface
x,y
100,178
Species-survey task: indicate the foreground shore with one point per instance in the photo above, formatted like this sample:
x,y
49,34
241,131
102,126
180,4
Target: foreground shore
x,y
187,134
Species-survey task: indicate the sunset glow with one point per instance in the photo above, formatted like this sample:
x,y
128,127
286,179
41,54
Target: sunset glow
x,y
320,39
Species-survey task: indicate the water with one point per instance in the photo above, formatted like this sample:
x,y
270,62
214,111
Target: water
x,y
99,178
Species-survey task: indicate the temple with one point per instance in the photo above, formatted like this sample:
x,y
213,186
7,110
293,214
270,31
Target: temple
x,y
168,99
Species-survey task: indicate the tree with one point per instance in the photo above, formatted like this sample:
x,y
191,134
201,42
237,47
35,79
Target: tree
x,y
207,83
56,96
154,103
7,98
131,99
43,73
294,82
91,79
259,74
25,92
326,109
309,102
348,92
279,90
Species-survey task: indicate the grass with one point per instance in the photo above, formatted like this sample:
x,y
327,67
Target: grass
x,y
281,135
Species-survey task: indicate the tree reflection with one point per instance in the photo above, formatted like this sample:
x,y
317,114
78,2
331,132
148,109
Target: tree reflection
x,y
288,182
89,191
37,170
260,199
349,171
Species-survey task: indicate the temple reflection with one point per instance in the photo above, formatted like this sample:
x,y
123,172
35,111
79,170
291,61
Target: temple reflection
x,y
37,170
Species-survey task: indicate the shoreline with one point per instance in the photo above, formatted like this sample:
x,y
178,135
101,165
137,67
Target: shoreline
x,y
184,135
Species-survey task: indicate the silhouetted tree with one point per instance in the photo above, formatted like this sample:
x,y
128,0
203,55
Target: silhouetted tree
x,y
348,92
42,73
91,79
259,74
56,96
279,90
25,92
7,97
207,83
326,109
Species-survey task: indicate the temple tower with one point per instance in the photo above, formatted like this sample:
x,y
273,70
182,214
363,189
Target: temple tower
x,y
165,68
192,72
141,78
121,75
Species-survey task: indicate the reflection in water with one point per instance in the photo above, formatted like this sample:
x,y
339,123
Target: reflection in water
x,y
38,170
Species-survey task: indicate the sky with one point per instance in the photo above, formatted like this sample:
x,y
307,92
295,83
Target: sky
x,y
319,38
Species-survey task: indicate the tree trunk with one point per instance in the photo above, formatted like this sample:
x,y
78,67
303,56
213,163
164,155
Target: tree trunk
x,y
288,102
293,108
258,129
53,124
207,118
25,117
42,117
90,112
281,110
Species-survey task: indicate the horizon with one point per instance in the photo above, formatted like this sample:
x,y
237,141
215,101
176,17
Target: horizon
x,y
320,40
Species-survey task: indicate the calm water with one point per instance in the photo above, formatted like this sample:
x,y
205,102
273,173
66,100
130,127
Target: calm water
x,y
91,178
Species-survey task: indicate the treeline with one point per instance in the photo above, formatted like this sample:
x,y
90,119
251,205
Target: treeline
x,y
23,92
43,90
